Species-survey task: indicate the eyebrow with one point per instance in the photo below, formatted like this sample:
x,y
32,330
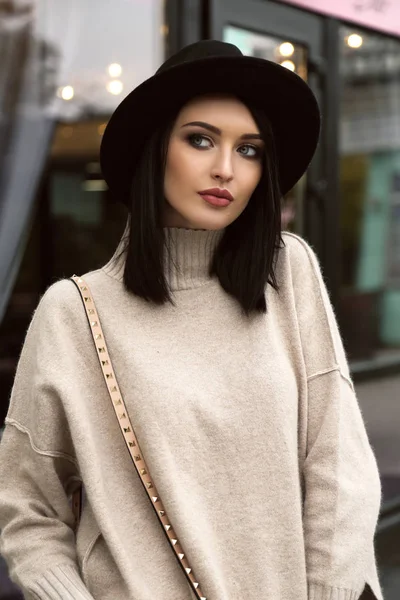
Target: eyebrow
x,y
213,129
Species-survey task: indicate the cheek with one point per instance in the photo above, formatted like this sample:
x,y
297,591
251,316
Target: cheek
x,y
172,167
181,166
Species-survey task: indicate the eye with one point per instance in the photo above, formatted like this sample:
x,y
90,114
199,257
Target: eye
x,y
199,141
249,151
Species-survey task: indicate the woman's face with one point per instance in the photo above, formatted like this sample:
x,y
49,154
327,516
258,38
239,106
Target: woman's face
x,y
215,144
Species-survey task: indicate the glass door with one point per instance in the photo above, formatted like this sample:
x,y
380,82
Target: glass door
x,y
292,38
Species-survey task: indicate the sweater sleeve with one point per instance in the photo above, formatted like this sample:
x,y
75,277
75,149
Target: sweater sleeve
x,y
38,469
342,493
342,485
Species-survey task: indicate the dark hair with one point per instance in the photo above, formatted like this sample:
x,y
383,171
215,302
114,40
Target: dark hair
x,y
244,259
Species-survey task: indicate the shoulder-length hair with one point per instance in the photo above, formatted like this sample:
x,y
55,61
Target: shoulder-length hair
x,y
245,257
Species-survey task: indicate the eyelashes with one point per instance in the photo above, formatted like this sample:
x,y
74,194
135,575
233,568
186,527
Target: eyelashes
x,y
196,140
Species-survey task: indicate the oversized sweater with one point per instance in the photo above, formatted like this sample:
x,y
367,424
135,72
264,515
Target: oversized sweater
x,y
250,428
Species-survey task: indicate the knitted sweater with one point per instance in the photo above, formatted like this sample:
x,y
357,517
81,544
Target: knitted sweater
x,y
250,428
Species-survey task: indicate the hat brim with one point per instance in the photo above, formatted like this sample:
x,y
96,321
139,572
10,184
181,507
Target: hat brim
x,y
285,98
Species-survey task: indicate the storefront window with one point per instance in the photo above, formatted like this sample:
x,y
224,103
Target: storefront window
x,y
100,51
76,60
370,195
293,56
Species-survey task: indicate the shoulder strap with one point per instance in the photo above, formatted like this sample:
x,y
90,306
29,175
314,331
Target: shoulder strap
x,y
129,435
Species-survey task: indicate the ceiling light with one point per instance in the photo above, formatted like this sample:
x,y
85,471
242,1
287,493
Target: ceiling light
x,y
289,64
115,70
286,49
67,92
94,185
115,87
354,40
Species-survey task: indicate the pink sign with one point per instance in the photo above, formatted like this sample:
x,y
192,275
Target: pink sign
x,y
383,15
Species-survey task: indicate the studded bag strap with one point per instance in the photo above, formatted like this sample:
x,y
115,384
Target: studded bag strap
x,y
129,437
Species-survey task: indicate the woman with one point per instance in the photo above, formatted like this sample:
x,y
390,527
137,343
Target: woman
x,y
228,358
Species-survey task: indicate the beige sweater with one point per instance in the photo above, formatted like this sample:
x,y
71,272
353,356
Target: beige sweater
x,y
250,428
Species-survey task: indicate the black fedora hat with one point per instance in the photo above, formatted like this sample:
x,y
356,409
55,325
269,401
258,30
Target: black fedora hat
x,y
211,66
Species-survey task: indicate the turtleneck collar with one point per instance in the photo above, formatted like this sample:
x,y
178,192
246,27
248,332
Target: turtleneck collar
x,y
186,264
191,251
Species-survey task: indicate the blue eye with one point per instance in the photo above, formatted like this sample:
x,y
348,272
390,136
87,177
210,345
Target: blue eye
x,y
250,151
196,139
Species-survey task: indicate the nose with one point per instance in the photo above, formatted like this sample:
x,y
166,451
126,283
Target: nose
x,y
222,169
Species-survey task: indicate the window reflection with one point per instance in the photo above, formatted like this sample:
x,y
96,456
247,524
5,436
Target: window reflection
x,y
84,227
292,56
64,71
285,52
370,194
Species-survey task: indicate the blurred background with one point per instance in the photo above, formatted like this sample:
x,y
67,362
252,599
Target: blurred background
x,y
65,66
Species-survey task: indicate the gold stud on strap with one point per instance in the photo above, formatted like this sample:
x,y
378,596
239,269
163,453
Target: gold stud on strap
x,y
129,434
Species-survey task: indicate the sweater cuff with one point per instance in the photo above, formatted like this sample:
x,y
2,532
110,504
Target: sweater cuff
x,y
317,591
60,583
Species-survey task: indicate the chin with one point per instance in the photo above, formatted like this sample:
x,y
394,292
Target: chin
x,y
209,221
207,224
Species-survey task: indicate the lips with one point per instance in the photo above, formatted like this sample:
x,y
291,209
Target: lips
x,y
218,193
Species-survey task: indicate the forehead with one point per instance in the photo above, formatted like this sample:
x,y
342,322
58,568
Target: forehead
x,y
218,110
